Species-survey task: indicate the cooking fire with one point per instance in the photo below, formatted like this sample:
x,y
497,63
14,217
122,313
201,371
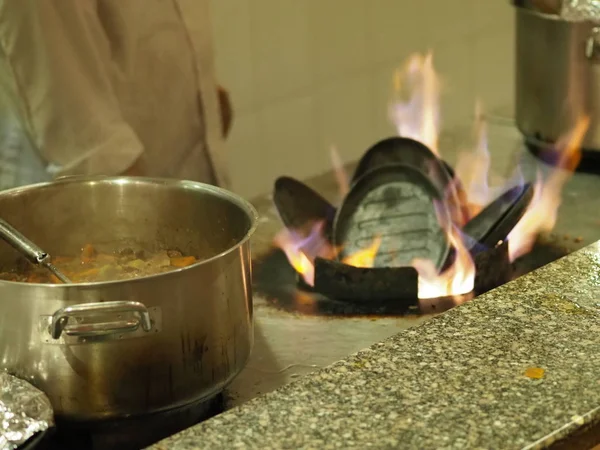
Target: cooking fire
x,y
410,225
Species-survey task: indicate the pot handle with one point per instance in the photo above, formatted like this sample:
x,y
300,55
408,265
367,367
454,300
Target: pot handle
x,y
60,318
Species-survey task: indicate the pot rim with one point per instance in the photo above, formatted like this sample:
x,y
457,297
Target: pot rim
x,y
237,200
548,16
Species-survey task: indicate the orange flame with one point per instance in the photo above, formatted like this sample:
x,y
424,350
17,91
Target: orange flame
x,y
415,113
473,168
364,257
340,174
418,116
301,250
458,279
295,255
541,213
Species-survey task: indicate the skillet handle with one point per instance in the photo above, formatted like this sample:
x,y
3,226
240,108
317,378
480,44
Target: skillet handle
x,y
138,311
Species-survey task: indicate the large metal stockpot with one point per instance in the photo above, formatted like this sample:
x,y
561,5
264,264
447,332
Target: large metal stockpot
x,y
557,76
114,349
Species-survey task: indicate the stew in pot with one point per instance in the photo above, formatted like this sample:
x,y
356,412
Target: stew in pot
x,y
93,266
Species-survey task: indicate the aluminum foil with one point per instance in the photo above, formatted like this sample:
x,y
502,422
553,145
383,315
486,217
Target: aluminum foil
x,y
24,411
580,10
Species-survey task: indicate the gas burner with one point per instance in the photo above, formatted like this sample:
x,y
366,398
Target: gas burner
x,y
401,196
382,285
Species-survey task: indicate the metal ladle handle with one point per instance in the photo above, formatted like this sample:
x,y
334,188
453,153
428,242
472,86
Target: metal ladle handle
x,y
28,249
20,243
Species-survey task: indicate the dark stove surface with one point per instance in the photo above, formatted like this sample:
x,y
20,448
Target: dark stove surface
x,y
131,433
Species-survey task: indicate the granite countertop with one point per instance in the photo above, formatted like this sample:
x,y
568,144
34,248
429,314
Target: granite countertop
x,y
515,368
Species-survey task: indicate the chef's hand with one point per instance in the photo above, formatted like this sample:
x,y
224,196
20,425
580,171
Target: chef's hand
x,y
226,111
135,170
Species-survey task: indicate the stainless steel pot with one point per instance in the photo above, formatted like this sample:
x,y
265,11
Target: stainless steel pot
x,y
106,350
557,76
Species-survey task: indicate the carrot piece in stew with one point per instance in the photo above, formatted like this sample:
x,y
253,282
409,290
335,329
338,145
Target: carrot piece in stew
x,y
88,252
183,261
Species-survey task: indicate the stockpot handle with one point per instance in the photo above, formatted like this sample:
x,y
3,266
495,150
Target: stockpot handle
x,y
61,317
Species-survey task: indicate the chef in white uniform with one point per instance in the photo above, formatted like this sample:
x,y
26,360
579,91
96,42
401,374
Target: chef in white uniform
x,y
109,87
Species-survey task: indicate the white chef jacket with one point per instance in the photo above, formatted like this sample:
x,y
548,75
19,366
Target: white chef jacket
x,y
90,86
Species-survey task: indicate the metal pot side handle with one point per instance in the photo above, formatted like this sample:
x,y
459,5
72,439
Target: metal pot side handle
x,y
60,319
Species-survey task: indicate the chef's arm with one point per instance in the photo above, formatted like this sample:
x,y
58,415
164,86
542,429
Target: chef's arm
x,y
60,68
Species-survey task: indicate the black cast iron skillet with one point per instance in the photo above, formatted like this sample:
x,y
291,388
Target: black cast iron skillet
x,y
299,206
401,150
497,220
393,203
406,151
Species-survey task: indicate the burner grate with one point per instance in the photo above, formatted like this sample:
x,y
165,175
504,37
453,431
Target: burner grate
x,y
396,196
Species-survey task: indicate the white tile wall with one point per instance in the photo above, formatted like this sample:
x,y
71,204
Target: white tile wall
x,y
280,49
343,116
290,142
394,32
493,66
308,74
